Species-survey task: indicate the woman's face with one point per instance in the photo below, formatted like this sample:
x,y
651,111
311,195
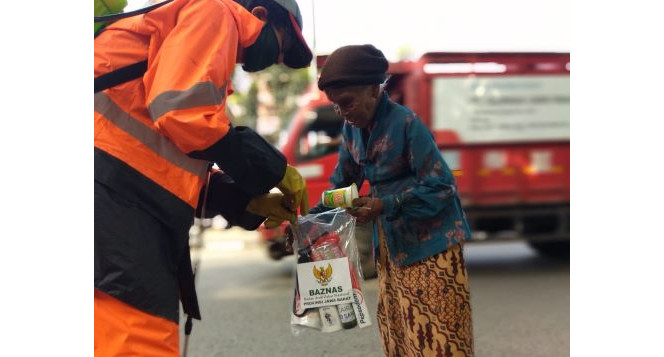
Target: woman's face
x,y
356,104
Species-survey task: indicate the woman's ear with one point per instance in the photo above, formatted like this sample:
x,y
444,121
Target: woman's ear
x,y
375,90
260,12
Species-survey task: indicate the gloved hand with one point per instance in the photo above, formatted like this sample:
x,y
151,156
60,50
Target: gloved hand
x,y
289,203
295,190
273,223
270,205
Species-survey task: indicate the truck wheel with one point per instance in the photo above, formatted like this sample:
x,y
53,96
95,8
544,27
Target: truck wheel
x,y
363,233
554,249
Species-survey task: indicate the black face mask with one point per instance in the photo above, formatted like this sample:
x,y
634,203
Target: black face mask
x,y
263,53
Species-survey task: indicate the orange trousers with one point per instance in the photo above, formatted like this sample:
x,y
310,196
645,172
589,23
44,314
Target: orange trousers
x,y
121,330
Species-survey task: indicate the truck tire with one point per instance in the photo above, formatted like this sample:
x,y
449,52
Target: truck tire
x,y
363,236
555,249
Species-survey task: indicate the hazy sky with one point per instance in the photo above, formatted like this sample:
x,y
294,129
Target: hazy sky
x,y
436,25
442,25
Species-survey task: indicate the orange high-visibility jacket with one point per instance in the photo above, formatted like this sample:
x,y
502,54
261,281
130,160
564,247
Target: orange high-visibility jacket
x,y
155,136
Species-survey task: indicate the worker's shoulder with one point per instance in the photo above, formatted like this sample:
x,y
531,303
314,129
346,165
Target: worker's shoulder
x,y
216,7
213,12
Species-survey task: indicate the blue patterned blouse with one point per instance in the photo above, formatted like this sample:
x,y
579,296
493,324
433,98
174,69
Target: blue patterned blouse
x,y
422,215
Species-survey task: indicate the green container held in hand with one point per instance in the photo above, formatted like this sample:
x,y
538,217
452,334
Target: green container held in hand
x,y
107,7
340,197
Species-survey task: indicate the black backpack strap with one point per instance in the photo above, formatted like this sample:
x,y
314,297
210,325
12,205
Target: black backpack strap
x,y
188,286
124,74
122,15
121,75
99,32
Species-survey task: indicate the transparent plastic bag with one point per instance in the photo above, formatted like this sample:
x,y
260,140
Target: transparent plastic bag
x,y
328,293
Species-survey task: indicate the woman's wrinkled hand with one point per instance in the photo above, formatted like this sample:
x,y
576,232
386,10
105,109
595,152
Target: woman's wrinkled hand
x,y
366,209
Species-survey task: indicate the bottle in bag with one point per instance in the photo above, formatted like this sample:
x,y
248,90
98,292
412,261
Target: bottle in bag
x,y
300,315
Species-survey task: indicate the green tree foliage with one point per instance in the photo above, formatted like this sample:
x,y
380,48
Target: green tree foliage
x,y
283,83
405,52
286,85
248,105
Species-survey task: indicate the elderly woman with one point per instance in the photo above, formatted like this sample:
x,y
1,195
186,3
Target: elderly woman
x,y
419,226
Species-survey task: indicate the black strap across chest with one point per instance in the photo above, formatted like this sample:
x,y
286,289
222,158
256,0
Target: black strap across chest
x,y
121,75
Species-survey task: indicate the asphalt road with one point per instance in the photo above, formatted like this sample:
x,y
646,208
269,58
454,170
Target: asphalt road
x,y
520,304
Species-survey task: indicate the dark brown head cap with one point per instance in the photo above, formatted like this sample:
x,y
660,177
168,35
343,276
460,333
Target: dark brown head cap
x,y
353,65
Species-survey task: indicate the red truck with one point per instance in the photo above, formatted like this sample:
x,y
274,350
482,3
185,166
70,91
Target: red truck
x,y
501,121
